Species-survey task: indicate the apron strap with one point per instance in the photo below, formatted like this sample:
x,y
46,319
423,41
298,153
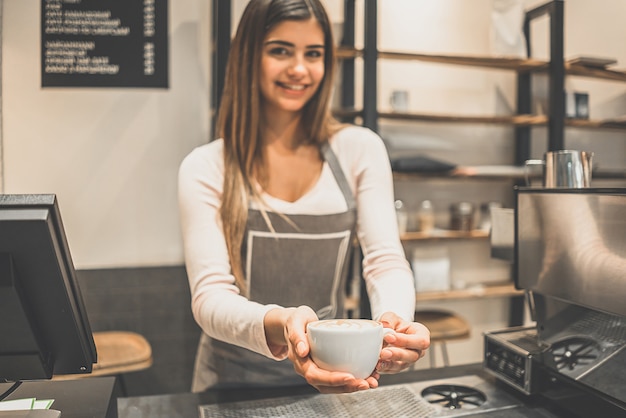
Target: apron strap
x,y
340,177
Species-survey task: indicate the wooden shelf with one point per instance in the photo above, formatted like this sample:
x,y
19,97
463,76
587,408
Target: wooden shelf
x,y
513,120
494,63
516,120
484,291
597,124
343,52
498,290
444,234
594,72
498,63
501,172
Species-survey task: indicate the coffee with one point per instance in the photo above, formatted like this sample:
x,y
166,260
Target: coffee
x,y
346,345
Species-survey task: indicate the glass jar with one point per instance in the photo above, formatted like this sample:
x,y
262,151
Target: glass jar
x,y
426,217
402,216
462,216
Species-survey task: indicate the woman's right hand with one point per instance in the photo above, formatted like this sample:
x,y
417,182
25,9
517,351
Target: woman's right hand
x,y
298,352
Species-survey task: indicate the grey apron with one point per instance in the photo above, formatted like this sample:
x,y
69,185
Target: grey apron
x,y
304,262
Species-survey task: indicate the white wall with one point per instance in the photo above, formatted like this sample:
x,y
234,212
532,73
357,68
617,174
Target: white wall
x,y
111,155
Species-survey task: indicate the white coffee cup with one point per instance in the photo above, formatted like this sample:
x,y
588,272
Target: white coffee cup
x,y
346,345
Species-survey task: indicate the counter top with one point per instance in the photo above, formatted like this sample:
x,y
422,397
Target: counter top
x,y
93,397
185,405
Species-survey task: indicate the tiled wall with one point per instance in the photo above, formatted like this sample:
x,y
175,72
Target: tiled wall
x,y
154,302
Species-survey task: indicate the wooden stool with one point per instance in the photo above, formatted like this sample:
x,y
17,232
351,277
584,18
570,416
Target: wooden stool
x,y
444,326
119,352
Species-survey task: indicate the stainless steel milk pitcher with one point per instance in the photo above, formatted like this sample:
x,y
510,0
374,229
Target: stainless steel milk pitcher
x,y
564,169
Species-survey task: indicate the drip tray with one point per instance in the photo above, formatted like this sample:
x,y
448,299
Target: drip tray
x,y
404,400
391,402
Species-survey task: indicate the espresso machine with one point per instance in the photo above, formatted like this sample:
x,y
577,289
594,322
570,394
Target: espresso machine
x,y
569,255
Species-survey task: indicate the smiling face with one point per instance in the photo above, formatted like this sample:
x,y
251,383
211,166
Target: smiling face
x,y
292,66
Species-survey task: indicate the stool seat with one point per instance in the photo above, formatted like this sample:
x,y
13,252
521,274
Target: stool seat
x,y
118,352
443,326
121,352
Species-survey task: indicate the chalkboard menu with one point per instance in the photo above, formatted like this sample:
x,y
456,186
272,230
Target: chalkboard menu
x,y
104,43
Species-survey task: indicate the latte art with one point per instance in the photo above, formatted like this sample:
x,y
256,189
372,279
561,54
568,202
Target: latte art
x,y
345,324
346,345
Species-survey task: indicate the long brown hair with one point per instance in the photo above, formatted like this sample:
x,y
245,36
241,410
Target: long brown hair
x,y
239,117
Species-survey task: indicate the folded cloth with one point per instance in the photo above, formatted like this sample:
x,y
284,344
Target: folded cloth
x,y
420,164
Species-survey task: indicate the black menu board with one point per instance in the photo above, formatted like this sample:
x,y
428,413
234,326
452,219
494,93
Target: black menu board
x,y
104,43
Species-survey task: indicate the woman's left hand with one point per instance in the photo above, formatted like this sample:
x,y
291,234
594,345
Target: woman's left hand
x,y
403,347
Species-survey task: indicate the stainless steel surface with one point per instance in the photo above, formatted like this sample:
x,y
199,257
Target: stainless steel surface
x,y
377,403
421,399
580,367
570,253
584,345
509,356
564,169
570,169
571,246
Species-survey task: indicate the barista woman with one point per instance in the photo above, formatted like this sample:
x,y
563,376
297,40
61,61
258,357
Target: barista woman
x,y
269,212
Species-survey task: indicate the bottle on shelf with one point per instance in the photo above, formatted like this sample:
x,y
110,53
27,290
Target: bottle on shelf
x,y
402,216
426,217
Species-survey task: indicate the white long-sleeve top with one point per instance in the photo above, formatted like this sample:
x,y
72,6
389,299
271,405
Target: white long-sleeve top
x,y
216,302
